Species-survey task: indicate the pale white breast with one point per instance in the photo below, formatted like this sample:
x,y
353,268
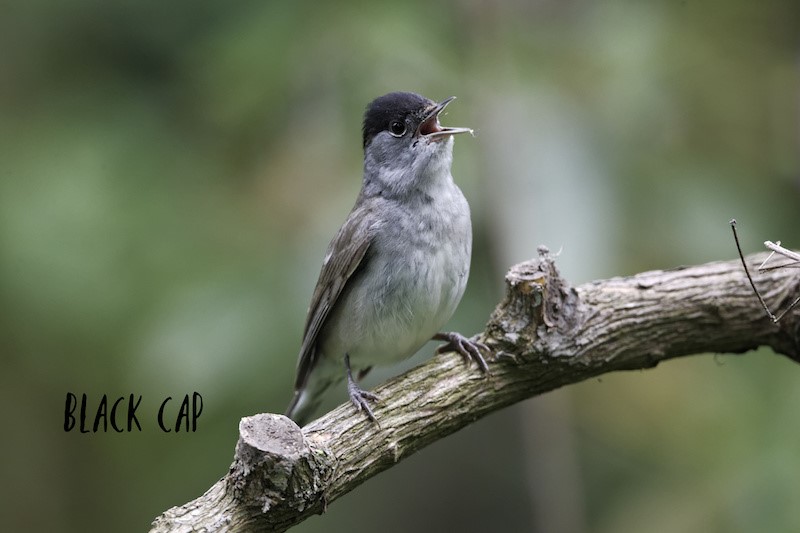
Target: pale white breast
x,y
413,290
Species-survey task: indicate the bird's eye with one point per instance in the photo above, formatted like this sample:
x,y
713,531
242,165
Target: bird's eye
x,y
397,128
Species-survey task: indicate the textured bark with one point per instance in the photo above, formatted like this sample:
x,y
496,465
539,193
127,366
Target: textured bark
x,y
544,335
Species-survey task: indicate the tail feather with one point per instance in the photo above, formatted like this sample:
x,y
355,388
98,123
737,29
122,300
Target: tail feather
x,y
302,407
306,400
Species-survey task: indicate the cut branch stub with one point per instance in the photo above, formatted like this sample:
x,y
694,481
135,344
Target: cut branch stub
x,y
276,465
539,306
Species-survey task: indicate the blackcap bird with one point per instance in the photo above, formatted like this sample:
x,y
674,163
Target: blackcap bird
x,y
397,268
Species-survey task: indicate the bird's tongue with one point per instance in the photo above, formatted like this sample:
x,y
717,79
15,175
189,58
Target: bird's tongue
x,y
431,125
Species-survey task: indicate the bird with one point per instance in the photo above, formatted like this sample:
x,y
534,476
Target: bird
x,y
397,268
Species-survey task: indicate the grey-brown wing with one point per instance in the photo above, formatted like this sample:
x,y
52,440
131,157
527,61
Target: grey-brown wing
x,y
345,254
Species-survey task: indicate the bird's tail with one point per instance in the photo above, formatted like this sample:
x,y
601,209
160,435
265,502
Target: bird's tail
x,y
301,407
307,399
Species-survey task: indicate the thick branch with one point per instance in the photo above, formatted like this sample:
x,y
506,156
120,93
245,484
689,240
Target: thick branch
x,y
544,335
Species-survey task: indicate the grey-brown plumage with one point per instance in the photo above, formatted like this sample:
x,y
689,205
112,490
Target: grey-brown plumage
x,y
397,268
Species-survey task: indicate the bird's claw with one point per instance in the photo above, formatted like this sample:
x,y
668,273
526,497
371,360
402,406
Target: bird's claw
x,y
361,399
357,395
469,349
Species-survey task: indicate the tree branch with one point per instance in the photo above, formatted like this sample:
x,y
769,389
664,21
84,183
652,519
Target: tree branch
x,y
544,335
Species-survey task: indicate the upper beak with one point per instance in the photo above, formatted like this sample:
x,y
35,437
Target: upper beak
x,y
430,127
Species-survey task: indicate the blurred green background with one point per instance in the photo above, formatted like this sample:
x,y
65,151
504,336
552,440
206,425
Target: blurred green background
x,y
171,172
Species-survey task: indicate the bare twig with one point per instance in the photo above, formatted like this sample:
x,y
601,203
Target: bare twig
x,y
776,248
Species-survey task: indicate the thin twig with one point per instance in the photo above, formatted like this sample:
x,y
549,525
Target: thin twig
x,y
747,271
789,254
777,248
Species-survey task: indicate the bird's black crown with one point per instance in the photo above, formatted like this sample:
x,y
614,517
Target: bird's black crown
x,y
389,107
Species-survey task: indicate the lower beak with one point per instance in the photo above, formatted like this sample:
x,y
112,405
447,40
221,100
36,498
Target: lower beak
x,y
430,126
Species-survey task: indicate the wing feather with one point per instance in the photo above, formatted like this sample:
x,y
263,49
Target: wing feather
x,y
343,258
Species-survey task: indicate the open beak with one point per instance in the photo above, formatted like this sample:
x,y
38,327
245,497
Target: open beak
x,y
430,127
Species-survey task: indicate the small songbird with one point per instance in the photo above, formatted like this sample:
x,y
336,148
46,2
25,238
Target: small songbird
x,y
396,270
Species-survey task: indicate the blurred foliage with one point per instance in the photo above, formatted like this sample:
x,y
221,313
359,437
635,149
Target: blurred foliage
x,y
170,174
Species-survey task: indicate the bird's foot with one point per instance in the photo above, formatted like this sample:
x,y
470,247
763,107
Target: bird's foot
x,y
359,396
469,349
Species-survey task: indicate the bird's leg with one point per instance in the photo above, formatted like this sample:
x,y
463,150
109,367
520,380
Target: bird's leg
x,y
469,349
359,396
